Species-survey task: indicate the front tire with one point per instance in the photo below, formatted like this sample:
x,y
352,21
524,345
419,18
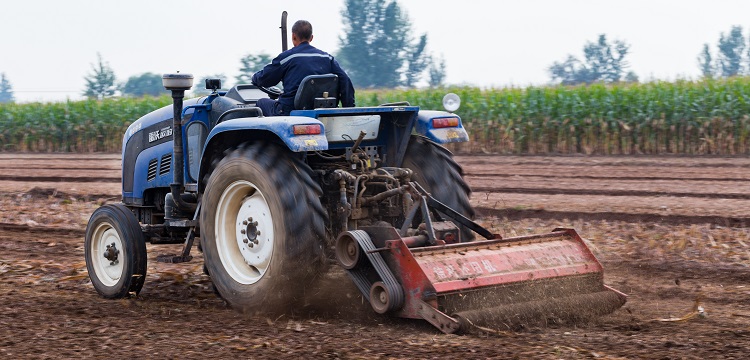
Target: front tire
x,y
435,169
262,228
115,252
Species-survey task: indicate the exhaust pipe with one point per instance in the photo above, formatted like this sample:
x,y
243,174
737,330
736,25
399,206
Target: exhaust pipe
x,y
284,45
177,84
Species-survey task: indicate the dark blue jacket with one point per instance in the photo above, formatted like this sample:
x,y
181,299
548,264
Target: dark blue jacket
x,y
293,65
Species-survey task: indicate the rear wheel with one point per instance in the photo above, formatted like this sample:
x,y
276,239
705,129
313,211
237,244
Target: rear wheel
x,y
435,169
262,228
115,252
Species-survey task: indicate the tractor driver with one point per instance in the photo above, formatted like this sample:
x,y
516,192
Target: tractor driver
x,y
293,65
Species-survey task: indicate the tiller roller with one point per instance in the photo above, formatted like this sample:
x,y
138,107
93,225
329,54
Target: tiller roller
x,y
498,283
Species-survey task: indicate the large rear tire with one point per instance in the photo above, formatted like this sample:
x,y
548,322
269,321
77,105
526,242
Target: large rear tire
x,y
115,252
262,228
435,169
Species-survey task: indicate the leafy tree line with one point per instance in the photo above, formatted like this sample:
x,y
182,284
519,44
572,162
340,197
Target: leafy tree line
x,y
602,62
6,89
378,48
732,56
605,62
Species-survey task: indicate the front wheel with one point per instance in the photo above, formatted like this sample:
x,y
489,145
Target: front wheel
x,y
262,227
115,252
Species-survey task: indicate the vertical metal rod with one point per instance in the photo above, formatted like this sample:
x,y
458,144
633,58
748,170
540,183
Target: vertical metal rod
x,y
179,177
284,45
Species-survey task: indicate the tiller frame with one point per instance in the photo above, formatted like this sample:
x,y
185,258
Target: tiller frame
x,y
427,273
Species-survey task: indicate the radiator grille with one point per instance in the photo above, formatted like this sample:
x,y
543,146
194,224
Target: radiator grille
x,y
151,175
166,163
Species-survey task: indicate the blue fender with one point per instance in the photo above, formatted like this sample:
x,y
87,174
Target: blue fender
x,y
440,135
281,126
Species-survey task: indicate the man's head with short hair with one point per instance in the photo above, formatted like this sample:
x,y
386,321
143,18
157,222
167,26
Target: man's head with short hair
x,y
301,32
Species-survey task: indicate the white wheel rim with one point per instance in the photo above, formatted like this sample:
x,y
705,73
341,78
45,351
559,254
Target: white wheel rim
x,y
244,232
107,271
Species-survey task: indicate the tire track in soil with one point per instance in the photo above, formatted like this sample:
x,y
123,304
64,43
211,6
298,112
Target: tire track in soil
x,y
53,167
45,193
523,214
613,178
640,193
72,179
62,157
655,163
22,228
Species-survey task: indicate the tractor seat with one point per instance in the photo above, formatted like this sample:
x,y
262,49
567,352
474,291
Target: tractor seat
x,y
317,91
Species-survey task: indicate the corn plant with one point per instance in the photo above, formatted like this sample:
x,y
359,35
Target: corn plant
x,y
682,117
72,126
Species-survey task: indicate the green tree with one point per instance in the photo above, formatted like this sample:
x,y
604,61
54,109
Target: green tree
x,y
437,72
100,83
731,51
603,62
631,77
377,49
250,65
199,86
570,72
143,84
6,90
705,62
417,62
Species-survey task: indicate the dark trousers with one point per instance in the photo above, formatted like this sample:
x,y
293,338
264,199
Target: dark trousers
x,y
270,107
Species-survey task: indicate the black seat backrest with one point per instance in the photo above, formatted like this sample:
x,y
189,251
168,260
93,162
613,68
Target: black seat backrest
x,y
317,91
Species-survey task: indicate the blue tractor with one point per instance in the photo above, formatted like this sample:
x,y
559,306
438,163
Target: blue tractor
x,y
273,199
266,195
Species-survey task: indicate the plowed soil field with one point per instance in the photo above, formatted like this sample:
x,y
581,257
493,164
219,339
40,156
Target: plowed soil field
x,y
671,232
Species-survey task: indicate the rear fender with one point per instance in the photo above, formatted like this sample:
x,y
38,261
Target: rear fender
x,y
440,135
281,126
234,132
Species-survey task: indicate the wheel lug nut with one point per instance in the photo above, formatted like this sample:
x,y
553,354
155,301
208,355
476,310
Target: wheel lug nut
x,y
255,241
242,231
251,244
245,240
250,219
257,233
244,222
255,223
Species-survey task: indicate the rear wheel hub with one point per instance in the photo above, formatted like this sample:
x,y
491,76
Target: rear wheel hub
x,y
244,229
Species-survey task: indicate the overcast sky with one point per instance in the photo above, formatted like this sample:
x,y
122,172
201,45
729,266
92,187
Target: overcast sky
x,y
48,46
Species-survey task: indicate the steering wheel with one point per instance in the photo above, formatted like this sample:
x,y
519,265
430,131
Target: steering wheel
x,y
273,91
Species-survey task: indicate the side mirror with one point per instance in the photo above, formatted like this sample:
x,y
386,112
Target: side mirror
x,y
213,84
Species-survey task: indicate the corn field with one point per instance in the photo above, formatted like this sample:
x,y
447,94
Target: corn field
x,y
684,117
710,117
72,126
